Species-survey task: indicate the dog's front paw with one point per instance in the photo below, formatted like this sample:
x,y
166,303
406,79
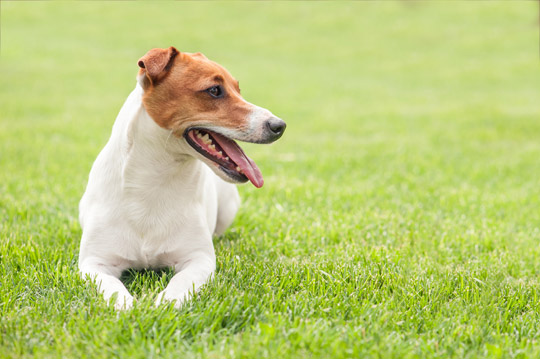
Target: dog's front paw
x,y
169,297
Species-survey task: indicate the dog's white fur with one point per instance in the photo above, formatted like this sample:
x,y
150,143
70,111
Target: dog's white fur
x,y
150,203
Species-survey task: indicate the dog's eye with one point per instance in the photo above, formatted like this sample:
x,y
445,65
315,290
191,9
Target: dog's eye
x,y
215,91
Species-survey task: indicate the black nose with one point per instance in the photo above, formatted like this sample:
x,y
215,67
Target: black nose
x,y
276,126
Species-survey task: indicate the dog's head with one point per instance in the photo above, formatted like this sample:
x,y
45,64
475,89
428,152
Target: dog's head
x,y
200,103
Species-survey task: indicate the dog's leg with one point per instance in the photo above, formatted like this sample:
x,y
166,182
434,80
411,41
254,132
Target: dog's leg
x,y
196,271
228,204
106,278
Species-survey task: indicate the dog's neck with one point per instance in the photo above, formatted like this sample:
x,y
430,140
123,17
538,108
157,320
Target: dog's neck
x,y
150,154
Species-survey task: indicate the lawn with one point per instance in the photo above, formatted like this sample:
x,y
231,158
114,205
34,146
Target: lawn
x,y
400,216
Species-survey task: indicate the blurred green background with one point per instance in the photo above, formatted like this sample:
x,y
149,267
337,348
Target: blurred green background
x,y
360,84
409,168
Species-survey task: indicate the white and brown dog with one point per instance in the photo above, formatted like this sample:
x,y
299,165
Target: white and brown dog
x,y
163,184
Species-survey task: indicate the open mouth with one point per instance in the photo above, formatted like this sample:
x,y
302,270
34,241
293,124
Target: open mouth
x,y
226,154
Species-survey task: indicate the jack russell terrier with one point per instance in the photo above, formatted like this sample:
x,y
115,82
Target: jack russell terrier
x,y
164,183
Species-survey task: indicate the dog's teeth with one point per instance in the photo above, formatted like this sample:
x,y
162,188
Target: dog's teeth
x,y
238,169
219,154
212,147
226,158
199,134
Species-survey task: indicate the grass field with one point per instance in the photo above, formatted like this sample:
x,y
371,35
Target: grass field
x,y
400,216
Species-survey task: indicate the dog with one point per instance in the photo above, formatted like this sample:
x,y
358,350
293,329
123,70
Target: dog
x,y
164,183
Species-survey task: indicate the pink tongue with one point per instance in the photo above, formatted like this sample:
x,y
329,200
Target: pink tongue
x,y
238,156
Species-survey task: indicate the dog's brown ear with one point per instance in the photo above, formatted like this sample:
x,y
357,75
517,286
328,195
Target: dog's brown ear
x,y
156,62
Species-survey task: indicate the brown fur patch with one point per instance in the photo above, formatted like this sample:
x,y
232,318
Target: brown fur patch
x,y
176,98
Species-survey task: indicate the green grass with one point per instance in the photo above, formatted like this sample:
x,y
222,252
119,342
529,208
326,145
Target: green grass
x,y
400,214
